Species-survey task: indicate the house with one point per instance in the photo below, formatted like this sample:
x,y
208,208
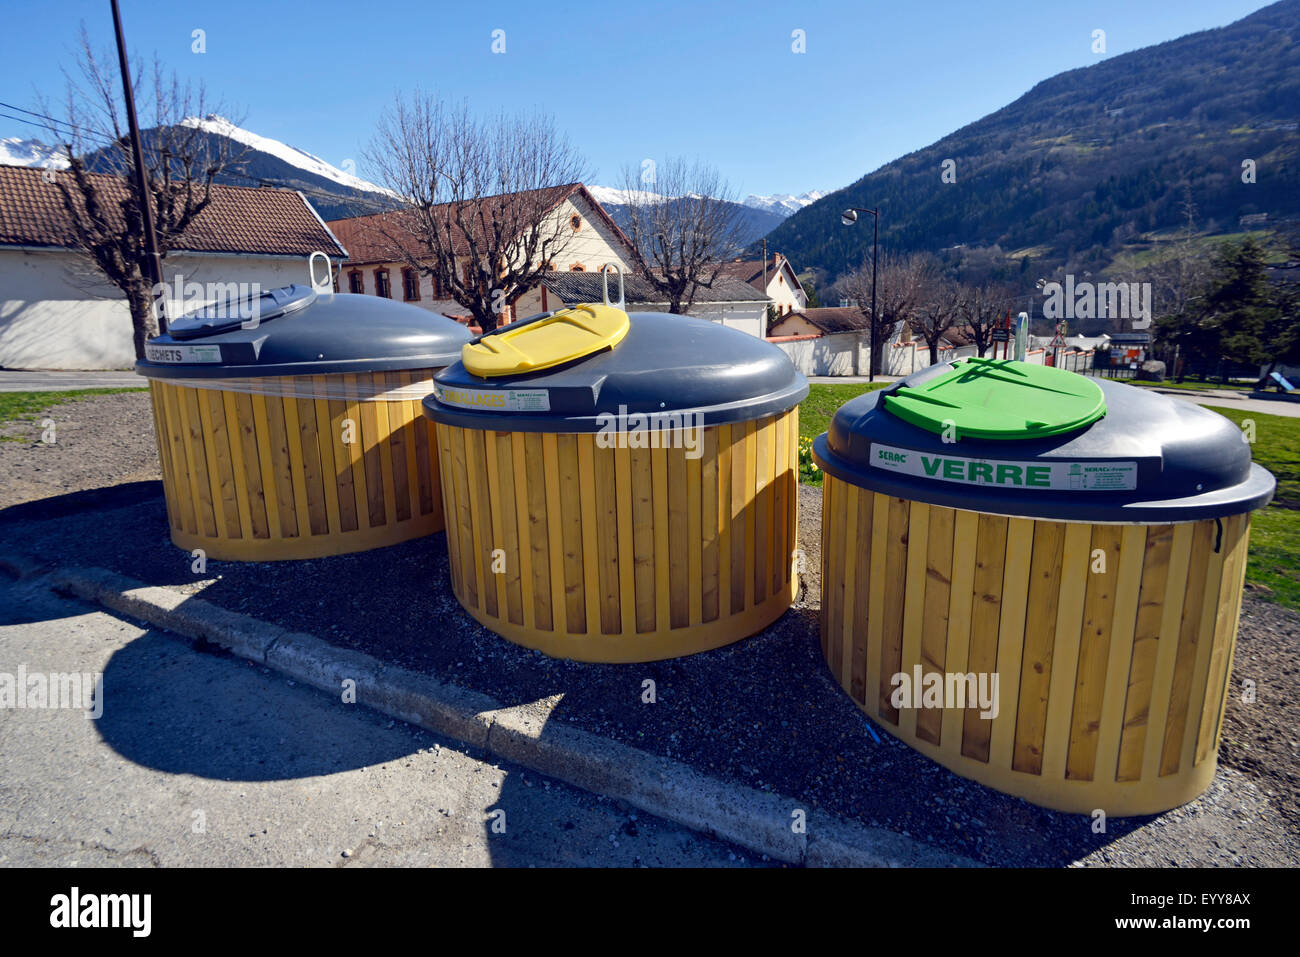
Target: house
x,y
375,265
730,302
58,312
775,277
836,341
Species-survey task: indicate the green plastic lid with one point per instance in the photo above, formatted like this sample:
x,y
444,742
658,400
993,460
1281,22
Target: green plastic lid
x,y
999,399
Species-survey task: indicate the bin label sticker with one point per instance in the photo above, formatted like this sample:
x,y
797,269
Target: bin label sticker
x,y
182,354
1048,476
494,400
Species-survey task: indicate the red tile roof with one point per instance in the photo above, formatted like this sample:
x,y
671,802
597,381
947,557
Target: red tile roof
x,y
751,271
367,238
829,320
239,219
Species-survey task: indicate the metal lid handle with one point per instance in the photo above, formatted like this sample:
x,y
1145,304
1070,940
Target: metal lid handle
x,y
604,280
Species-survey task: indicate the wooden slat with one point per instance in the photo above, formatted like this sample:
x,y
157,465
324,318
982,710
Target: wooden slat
x,y
1215,563
880,505
469,567
1094,653
495,576
1040,641
385,436
727,524
934,620
427,465
180,457
243,505
399,447
524,517
1167,653
960,608
626,541
571,543
843,634
1237,581
294,453
164,466
372,454
742,497
710,527
1188,637
1011,639
357,449
480,519
443,439
342,455
643,552
1123,628
894,556
862,537
199,477
1146,640
763,492
226,501
325,444
918,542
781,501
318,517
589,508
607,539
507,504
663,557
1069,621
694,533
250,454
678,544
986,611
832,614
555,530
270,480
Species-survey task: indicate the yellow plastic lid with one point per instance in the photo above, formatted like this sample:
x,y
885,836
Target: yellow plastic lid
x,y
550,341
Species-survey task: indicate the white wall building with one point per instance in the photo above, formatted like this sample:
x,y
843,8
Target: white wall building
x,y
58,312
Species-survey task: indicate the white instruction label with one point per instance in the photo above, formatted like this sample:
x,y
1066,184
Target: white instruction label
x,y
182,354
1047,476
494,400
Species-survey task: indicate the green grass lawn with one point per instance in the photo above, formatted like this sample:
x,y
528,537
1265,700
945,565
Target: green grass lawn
x,y
1274,562
815,413
25,406
1193,385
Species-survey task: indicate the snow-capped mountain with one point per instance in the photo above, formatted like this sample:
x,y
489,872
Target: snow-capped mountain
x,y
783,204
16,152
220,126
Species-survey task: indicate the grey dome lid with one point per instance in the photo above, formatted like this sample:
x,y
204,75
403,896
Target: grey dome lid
x,y
298,332
665,364
1151,459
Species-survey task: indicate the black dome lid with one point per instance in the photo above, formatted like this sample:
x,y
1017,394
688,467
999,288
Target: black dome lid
x,y
666,363
1150,459
299,332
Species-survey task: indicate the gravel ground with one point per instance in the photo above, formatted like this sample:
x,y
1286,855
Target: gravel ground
x,y
764,712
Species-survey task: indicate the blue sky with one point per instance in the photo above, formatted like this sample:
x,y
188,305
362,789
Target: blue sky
x,y
627,81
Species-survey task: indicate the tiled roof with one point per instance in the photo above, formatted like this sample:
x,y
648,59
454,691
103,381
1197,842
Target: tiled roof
x,y
368,237
751,270
831,319
239,219
575,287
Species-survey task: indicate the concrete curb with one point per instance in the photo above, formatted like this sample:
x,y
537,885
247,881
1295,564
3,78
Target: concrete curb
x,y
763,822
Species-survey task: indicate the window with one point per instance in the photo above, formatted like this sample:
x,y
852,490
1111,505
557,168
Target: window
x,y
437,289
356,283
381,284
410,285
577,267
575,222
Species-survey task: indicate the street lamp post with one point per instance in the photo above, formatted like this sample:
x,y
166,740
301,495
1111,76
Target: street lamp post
x,y
848,218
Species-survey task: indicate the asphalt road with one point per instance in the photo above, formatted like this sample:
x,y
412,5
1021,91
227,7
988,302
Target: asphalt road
x,y
202,759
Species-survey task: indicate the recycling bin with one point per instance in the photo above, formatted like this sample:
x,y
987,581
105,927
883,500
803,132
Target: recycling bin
x,y
620,488
1034,578
289,424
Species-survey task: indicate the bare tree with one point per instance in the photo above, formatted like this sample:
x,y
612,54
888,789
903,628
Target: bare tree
x,y
980,309
899,289
480,195
181,161
938,308
684,222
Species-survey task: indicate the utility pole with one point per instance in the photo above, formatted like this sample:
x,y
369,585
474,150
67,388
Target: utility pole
x,y
848,218
152,260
